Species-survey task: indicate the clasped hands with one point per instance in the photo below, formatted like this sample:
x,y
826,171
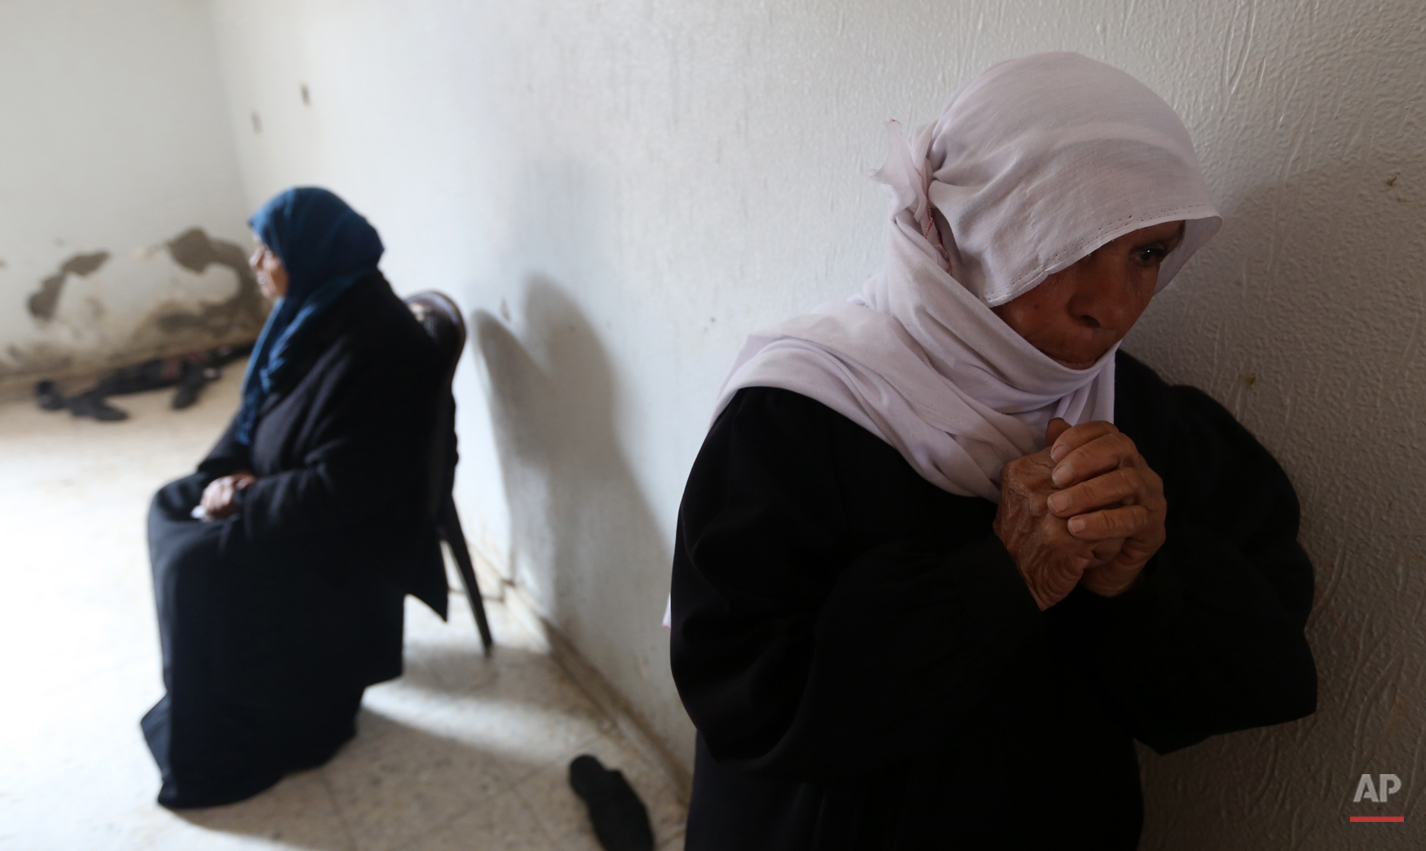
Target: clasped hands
x,y
1085,510
220,498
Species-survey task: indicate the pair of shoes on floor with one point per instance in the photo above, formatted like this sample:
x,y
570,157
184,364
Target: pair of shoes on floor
x,y
90,404
620,820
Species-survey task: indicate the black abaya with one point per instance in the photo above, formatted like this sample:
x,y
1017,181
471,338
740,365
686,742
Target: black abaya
x,y
867,669
274,620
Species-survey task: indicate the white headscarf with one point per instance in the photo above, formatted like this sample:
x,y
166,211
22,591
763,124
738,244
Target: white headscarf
x,y
1034,164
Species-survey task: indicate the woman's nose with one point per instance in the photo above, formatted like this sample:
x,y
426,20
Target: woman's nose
x,y
1107,298
255,259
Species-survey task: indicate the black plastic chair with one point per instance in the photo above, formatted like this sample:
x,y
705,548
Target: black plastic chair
x,y
441,318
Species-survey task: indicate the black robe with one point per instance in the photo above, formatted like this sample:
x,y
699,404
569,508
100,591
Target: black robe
x,y
273,621
867,669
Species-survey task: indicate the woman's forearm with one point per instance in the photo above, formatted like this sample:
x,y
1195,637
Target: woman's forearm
x,y
1210,641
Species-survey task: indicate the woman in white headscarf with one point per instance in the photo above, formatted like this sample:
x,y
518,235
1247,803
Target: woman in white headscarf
x,y
946,551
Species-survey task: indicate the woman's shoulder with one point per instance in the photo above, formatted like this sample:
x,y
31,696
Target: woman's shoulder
x,y
1184,432
377,324
774,403
786,417
1141,395
803,440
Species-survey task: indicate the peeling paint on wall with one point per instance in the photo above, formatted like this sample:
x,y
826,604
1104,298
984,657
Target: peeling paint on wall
x,y
195,251
43,302
88,334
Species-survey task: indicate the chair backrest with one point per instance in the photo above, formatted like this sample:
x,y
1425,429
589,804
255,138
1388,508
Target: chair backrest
x,y
441,318
439,315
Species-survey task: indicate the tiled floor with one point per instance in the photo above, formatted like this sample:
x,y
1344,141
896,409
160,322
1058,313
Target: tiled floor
x,y
462,752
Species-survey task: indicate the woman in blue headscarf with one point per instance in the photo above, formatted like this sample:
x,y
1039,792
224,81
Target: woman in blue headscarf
x,y
280,566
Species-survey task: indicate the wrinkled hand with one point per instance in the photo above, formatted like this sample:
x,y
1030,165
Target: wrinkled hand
x,y
220,497
1109,497
1050,558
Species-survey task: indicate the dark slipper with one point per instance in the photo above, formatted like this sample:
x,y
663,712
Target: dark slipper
x,y
93,405
620,820
48,397
188,389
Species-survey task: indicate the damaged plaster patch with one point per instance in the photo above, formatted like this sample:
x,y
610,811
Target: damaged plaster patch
x,y
43,302
195,251
208,297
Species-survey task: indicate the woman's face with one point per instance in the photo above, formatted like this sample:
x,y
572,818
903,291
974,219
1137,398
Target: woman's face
x,y
271,276
1077,314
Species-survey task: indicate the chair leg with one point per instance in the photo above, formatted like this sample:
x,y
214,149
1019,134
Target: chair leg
x,y
455,537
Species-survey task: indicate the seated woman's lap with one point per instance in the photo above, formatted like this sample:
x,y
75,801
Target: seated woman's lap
x,y
256,625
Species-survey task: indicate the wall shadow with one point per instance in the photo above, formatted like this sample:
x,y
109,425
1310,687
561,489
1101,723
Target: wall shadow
x,y
583,536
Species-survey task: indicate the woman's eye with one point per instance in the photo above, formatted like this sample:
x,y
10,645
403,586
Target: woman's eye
x,y
1150,255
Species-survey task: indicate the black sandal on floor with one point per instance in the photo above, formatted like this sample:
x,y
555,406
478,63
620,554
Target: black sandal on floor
x,y
620,820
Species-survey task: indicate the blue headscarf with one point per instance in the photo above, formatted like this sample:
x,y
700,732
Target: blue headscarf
x,y
325,246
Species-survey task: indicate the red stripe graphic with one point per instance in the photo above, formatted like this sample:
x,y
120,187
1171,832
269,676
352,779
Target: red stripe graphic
x,y
1379,818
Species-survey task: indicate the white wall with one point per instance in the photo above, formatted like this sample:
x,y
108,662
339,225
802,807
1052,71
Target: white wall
x,y
618,192
113,138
